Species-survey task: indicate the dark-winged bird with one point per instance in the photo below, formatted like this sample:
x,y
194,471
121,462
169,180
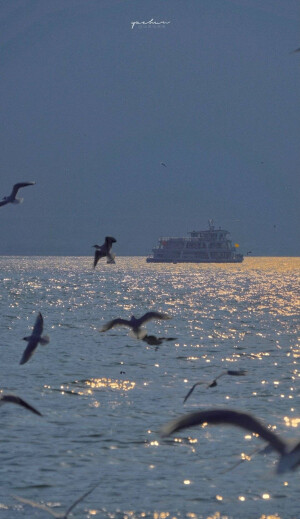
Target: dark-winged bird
x,y
46,508
289,456
11,199
156,341
104,250
232,372
13,399
34,339
135,324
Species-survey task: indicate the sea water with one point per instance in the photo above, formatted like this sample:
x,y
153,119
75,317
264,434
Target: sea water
x,y
105,396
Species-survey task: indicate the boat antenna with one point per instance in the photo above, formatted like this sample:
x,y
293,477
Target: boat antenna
x,y
211,224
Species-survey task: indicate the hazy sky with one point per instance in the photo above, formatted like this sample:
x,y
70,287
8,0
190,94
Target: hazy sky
x,y
90,108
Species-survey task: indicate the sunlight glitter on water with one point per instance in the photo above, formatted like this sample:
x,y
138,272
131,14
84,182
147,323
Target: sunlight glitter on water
x,y
246,314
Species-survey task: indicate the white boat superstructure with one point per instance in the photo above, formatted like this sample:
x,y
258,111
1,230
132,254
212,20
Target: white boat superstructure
x,y
209,246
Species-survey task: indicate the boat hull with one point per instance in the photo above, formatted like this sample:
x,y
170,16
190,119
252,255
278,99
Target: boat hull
x,y
154,260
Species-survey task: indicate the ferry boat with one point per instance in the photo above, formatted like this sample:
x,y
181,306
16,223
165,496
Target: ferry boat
x,y
210,246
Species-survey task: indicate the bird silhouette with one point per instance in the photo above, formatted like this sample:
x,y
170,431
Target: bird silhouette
x,y
34,339
135,324
232,372
289,456
46,508
104,250
11,199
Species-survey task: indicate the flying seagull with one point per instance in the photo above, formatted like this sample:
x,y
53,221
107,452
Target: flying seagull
x,y
11,199
34,339
289,456
163,164
232,372
156,341
104,250
13,399
135,324
46,508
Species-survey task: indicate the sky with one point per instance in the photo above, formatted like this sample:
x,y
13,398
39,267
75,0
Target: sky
x,y
91,106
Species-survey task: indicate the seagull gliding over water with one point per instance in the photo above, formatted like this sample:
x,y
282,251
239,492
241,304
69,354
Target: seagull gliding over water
x,y
289,456
232,372
34,339
46,508
135,324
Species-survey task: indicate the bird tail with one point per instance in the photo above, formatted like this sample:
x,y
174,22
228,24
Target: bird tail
x,y
138,334
111,257
44,340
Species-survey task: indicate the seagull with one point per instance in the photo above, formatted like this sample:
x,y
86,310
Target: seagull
x,y
232,372
34,339
14,399
11,199
135,324
156,341
104,250
46,508
163,164
289,456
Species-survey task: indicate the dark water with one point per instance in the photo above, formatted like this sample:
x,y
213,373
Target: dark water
x,y
105,396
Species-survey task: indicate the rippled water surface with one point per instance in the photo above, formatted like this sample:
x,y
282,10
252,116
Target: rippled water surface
x,y
105,396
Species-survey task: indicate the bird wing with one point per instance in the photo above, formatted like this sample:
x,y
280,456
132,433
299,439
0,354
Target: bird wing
x,y
191,390
241,460
38,326
3,202
16,187
31,347
13,399
152,315
40,506
232,372
236,372
225,416
80,499
115,322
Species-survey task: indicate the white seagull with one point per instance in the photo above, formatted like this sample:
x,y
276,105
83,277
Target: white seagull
x,y
14,399
135,324
232,372
104,250
34,339
46,508
11,199
289,456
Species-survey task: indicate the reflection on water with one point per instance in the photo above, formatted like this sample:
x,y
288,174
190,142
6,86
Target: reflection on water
x,y
104,397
